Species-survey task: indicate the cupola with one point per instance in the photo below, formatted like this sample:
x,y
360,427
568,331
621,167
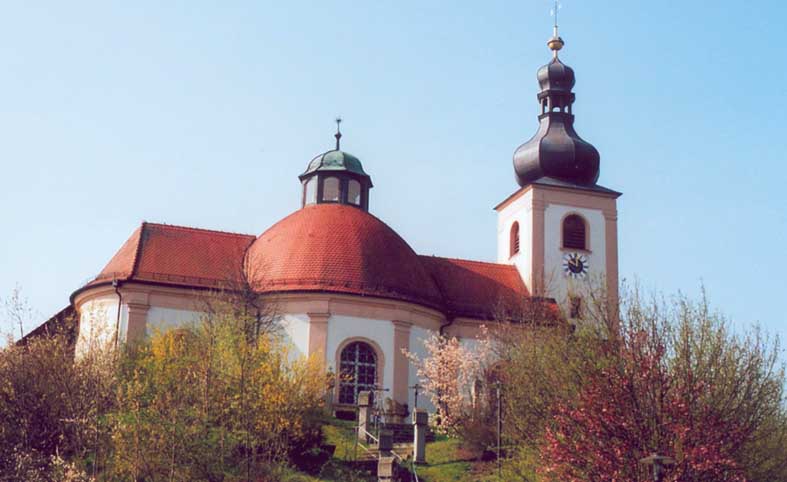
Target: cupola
x,y
336,177
556,151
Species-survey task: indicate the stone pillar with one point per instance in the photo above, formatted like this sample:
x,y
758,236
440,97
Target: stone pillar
x,y
386,460
364,414
420,423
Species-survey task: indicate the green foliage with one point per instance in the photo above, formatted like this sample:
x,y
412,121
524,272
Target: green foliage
x,y
53,408
218,400
665,375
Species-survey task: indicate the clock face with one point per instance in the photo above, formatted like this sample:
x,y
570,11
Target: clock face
x,y
575,265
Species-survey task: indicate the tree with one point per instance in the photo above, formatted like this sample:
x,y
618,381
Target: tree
x,y
665,375
17,311
52,409
456,376
218,398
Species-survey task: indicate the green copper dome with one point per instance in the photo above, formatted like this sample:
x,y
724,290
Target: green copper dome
x,y
335,160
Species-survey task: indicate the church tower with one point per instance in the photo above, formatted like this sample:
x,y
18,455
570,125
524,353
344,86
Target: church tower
x,y
560,228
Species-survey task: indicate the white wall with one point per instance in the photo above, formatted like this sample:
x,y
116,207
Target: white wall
x,y
381,332
560,284
164,319
417,337
295,329
518,211
97,322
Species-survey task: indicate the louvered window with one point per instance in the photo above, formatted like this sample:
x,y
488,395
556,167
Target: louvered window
x,y
514,248
574,234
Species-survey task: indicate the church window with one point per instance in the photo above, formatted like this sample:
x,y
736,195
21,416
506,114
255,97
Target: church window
x,y
330,189
574,232
310,191
358,371
354,192
514,248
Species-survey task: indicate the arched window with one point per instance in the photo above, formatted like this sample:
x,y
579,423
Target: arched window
x,y
354,192
358,371
514,242
574,234
330,189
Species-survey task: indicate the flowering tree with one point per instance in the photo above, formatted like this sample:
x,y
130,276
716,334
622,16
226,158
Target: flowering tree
x,y
455,376
671,379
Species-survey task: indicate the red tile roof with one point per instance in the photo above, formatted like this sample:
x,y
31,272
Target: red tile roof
x,y
179,255
333,247
476,289
320,248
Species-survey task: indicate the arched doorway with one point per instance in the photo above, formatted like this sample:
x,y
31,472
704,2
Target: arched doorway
x,y
358,371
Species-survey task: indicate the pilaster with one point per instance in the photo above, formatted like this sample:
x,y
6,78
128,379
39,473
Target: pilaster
x,y
318,333
401,364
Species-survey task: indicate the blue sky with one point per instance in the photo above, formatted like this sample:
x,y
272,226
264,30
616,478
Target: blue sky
x,y
203,114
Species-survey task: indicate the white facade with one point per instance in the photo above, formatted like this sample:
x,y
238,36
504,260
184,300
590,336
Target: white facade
x,y
98,321
164,319
558,284
519,211
417,337
539,212
296,332
379,332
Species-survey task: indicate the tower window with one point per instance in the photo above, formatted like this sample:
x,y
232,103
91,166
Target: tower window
x,y
354,192
330,189
514,249
310,191
574,232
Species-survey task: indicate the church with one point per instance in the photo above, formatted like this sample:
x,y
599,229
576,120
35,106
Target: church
x,y
348,288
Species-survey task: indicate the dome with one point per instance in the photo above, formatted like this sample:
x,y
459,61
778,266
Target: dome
x,y
335,160
556,76
556,151
338,248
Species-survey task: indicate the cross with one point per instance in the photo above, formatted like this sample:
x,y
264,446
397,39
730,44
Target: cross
x,y
416,387
554,10
338,134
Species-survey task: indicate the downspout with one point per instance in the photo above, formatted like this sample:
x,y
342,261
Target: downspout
x,y
116,285
450,319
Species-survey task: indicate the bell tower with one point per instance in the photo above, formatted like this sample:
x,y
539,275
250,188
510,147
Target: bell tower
x,y
560,227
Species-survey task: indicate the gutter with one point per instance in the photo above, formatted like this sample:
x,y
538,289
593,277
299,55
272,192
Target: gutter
x,y
116,285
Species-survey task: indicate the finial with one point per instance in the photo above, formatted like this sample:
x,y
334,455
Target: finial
x,y
555,43
338,134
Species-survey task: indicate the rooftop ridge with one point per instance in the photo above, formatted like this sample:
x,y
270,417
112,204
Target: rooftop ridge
x,y
192,229
488,263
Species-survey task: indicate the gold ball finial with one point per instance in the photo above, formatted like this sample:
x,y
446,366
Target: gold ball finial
x,y
555,43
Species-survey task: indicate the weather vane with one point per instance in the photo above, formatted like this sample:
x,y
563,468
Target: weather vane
x,y
338,134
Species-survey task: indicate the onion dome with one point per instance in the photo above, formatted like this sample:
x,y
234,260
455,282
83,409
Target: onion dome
x,y
556,151
336,176
342,249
